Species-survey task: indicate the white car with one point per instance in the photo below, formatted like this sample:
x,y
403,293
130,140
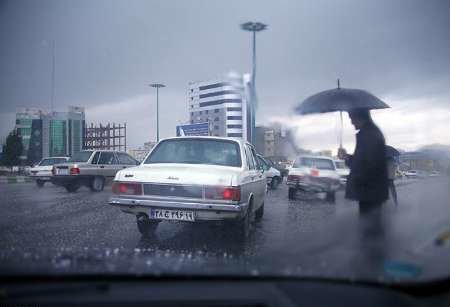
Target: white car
x,y
412,174
342,170
313,174
42,171
194,179
272,174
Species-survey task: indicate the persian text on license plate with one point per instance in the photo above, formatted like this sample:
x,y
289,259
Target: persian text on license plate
x,y
176,215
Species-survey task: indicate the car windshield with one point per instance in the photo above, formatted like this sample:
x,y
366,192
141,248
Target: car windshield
x,y
324,164
82,156
348,101
48,162
196,151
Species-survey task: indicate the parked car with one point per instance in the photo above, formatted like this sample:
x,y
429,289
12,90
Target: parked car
x,y
312,174
194,179
273,175
91,168
434,174
342,170
42,171
412,174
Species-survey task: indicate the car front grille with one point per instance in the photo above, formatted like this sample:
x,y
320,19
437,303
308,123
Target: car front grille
x,y
172,190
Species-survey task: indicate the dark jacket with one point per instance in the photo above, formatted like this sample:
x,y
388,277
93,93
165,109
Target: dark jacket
x,y
368,178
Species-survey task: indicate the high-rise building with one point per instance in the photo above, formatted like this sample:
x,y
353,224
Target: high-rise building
x,y
50,134
24,123
222,103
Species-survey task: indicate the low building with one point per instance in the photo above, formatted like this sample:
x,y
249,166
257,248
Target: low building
x,y
141,152
276,143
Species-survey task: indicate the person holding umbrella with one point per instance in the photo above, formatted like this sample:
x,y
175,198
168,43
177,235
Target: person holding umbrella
x,y
368,180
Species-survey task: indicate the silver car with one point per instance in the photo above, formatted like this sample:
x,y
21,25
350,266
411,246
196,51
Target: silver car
x,y
92,169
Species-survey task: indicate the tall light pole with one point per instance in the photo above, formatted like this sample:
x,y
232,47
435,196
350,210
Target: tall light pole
x,y
157,86
253,27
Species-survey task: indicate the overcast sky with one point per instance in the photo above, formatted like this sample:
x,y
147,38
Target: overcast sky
x,y
108,51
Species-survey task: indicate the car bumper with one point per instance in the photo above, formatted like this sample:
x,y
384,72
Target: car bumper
x,y
313,187
62,180
203,211
41,177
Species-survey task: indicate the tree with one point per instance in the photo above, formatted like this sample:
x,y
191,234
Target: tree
x,y
12,149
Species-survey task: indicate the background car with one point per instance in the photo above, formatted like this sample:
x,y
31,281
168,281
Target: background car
x,y
91,168
342,170
412,174
313,174
42,171
193,179
273,175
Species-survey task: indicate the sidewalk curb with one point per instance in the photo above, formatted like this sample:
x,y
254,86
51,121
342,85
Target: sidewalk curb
x,y
15,179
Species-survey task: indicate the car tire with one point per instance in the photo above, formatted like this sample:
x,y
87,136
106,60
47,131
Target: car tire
x,y
40,183
72,188
243,227
97,184
291,193
331,197
146,226
259,213
275,182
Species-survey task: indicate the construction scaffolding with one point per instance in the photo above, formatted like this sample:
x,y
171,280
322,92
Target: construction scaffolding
x,y
105,137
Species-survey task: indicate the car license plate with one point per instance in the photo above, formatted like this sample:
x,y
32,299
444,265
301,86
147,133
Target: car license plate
x,y
175,215
63,171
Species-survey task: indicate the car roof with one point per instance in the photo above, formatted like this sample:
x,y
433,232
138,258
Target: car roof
x,y
315,157
55,158
102,150
220,138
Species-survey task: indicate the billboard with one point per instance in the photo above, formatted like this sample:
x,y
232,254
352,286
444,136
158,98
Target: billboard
x,y
200,129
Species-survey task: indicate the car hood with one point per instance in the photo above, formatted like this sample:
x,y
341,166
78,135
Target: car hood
x,y
181,174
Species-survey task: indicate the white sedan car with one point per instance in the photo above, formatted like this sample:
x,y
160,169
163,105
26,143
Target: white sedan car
x,y
42,171
313,174
194,179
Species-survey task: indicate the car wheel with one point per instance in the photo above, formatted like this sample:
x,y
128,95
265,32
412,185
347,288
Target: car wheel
x,y
40,183
275,182
243,227
146,226
97,184
331,197
72,188
291,193
260,212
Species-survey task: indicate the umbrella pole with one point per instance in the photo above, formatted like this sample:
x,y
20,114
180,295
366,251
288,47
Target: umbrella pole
x,y
342,130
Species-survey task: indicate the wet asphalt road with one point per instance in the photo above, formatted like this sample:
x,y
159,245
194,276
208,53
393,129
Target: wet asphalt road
x,y
321,234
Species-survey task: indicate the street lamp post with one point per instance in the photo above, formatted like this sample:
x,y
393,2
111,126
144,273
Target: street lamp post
x,y
157,86
253,27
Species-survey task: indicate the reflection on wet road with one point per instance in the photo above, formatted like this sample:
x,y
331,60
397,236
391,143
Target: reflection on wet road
x,y
294,237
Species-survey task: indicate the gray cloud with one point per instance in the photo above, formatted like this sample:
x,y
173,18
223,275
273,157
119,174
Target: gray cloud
x,y
107,51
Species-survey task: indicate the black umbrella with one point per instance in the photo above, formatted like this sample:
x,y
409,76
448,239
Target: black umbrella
x,y
339,99
391,152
